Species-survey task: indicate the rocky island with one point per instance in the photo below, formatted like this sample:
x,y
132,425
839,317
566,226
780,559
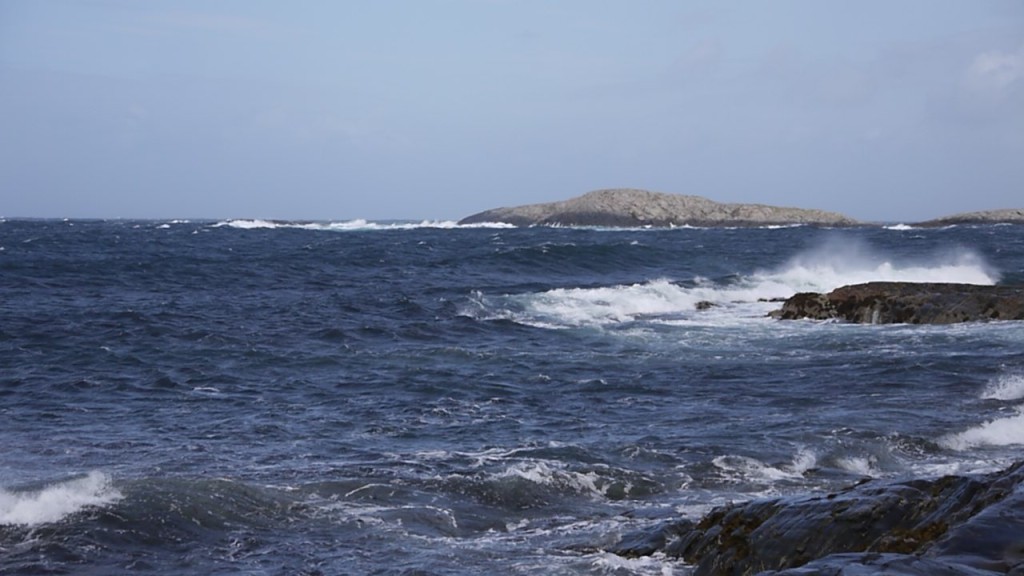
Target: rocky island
x,y
1006,216
635,208
907,303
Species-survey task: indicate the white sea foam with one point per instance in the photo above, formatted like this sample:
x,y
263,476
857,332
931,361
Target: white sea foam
x,y
56,501
752,469
546,474
999,432
1006,387
352,225
1006,431
839,262
900,227
658,564
246,224
804,460
835,264
863,465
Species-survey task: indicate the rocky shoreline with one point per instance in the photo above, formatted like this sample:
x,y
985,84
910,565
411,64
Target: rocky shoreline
x,y
953,525
907,303
638,208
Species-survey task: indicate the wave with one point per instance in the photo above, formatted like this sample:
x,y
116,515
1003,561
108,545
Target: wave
x,y
999,432
533,483
703,301
839,262
748,469
351,225
56,501
1006,387
1006,431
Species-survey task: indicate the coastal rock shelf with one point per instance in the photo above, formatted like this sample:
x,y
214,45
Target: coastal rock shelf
x,y
629,208
907,303
954,525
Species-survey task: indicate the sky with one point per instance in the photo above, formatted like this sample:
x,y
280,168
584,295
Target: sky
x,y
437,109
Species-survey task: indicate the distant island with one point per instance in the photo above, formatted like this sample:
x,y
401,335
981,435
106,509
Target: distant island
x,y
1006,216
636,208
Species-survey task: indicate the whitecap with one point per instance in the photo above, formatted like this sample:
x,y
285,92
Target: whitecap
x,y
56,501
542,473
358,224
999,432
246,224
840,262
699,301
1006,387
863,465
608,563
752,469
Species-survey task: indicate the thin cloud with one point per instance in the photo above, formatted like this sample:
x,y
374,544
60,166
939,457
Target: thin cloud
x,y
207,22
995,72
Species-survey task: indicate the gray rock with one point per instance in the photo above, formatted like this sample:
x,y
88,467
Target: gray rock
x,y
907,303
873,564
632,208
953,525
1008,215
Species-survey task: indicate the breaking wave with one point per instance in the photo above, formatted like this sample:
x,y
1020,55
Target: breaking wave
x,y
1006,431
350,225
703,301
999,432
1006,387
56,501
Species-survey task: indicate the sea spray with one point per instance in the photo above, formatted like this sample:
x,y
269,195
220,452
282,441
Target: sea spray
x,y
56,501
1005,387
1007,431
841,261
357,225
836,263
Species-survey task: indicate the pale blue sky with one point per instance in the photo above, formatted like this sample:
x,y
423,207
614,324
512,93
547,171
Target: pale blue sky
x,y
435,109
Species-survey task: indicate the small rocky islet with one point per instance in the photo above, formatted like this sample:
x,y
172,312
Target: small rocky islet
x,y
907,303
619,208
630,207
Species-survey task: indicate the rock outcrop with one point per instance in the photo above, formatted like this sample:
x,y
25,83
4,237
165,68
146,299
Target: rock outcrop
x,y
632,208
1007,216
954,525
908,303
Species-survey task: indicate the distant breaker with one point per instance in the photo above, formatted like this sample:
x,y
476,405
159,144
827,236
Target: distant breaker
x,y
624,208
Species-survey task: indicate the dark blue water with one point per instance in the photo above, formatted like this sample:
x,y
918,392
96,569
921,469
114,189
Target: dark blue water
x,y
260,398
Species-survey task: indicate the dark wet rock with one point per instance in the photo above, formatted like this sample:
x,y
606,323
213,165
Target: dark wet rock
x,y
908,303
704,305
956,525
873,564
635,208
647,542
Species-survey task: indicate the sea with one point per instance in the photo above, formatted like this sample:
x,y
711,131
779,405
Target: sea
x,y
267,397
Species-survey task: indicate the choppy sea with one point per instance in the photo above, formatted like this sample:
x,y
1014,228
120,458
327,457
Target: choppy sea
x,y
252,397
